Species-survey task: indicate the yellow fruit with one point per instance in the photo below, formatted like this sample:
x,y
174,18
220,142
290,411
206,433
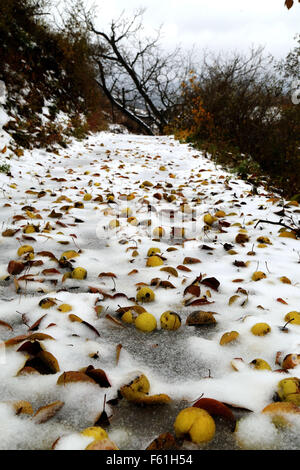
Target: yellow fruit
x,y
264,240
47,302
242,238
228,337
258,275
220,214
147,183
30,229
102,444
152,251
170,320
185,419
140,384
288,235
285,280
132,221
158,232
96,432
25,249
197,423
79,273
69,254
145,294
110,198
294,398
280,412
153,261
260,364
87,197
64,308
203,429
287,387
162,168
127,317
260,329
145,322
208,219
293,317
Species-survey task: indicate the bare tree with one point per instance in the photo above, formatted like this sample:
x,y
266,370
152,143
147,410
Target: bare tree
x,y
137,76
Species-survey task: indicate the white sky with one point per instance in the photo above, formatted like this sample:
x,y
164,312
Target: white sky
x,y
218,25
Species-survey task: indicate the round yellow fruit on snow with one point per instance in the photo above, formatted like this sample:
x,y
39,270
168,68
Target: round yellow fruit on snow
x,y
153,261
260,364
25,249
260,329
293,317
145,294
64,308
196,422
228,337
208,219
96,432
170,320
127,317
258,275
152,251
79,273
145,322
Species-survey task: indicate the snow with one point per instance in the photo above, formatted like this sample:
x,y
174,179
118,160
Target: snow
x,y
183,364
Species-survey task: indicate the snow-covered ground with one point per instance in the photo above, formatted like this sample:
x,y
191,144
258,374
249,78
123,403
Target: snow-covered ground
x,y
71,200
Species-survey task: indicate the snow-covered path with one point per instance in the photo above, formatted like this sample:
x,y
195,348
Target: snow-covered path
x,y
101,205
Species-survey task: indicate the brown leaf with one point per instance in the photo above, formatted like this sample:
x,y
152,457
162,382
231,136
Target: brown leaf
x,y
15,267
44,362
50,271
98,375
202,301
44,413
107,275
211,282
200,318
216,408
183,268
36,324
74,376
190,260
170,270
47,254
192,289
9,232
114,320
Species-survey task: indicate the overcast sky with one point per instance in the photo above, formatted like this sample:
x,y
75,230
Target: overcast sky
x,y
218,25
